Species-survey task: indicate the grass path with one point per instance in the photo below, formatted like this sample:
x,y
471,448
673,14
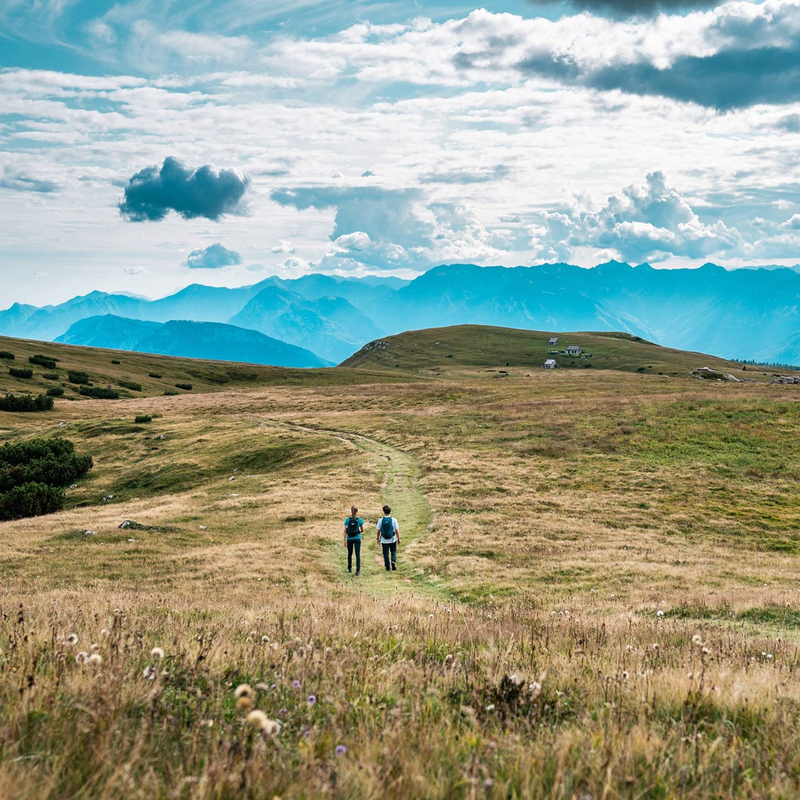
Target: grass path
x,y
400,488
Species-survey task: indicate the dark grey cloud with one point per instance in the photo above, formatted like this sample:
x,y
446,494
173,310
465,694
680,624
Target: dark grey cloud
x,y
20,182
628,8
465,176
215,256
731,79
203,192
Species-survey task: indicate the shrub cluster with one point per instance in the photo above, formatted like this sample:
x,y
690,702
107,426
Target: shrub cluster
x,y
43,361
140,418
168,393
132,385
32,474
22,372
76,376
25,402
114,361
155,375
100,392
7,355
187,386
55,391
50,376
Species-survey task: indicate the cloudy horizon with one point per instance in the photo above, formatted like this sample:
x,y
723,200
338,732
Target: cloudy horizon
x,y
157,145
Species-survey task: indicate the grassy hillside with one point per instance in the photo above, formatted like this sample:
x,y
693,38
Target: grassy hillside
x,y
596,591
137,368
452,348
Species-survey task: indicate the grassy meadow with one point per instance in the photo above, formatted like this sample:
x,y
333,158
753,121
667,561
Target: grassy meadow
x,y
597,592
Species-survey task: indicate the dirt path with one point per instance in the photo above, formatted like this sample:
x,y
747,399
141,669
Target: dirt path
x,y
400,487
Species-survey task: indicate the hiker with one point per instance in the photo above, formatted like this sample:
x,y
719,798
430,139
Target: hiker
x,y
353,528
389,537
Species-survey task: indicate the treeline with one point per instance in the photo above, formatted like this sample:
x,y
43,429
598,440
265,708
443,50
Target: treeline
x,y
770,364
33,473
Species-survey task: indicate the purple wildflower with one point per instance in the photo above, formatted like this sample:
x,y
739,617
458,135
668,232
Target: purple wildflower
x,y
312,698
282,712
340,750
296,684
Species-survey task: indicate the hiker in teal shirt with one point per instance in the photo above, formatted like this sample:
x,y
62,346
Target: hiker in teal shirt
x,y
353,528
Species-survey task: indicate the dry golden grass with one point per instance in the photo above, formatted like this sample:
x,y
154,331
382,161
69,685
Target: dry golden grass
x,y
568,530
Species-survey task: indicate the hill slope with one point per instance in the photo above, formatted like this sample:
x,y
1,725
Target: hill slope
x,y
473,346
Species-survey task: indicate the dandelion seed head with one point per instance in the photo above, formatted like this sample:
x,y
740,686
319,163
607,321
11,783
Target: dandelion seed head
x,y
659,613
243,690
257,719
95,659
625,675
705,651
697,639
264,639
157,652
72,639
105,632
95,648
244,703
655,646
535,687
81,657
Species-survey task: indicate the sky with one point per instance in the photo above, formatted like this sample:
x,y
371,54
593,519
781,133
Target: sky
x,y
148,145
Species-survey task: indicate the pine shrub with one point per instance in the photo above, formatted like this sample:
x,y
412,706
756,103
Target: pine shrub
x,y
155,375
22,372
187,386
5,354
99,392
55,391
132,385
76,376
25,402
43,361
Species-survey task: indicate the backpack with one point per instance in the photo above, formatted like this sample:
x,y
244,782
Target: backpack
x,y
352,527
387,528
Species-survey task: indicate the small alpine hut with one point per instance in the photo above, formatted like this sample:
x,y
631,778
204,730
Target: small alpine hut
x,y
550,364
553,340
574,350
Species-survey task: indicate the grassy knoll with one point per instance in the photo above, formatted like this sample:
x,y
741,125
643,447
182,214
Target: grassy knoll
x,y
446,350
144,375
597,594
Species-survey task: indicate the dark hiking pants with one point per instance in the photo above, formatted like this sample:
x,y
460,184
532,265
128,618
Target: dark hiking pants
x,y
354,544
387,549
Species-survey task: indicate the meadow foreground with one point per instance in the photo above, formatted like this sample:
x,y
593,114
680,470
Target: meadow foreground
x,y
596,595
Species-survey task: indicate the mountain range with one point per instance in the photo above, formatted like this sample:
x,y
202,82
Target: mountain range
x,y
743,313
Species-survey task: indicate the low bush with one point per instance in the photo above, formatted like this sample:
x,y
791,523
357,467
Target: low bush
x,y
7,355
32,474
76,376
43,361
22,372
55,391
141,418
99,392
154,375
30,500
50,376
168,393
187,386
132,385
114,361
25,402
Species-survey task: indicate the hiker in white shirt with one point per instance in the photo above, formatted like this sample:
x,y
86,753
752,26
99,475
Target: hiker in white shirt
x,y
389,537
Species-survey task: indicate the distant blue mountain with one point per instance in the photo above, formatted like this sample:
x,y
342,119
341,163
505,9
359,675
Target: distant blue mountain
x,y
334,327
207,340
742,313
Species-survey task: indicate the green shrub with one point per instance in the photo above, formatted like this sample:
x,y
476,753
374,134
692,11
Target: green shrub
x,y
43,361
55,391
187,386
132,385
25,402
76,376
32,474
154,375
7,355
30,500
52,462
50,376
23,372
114,361
141,418
99,392
168,393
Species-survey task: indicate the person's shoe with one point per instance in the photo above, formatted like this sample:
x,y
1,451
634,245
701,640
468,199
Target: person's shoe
x,y
394,566
358,572
349,569
387,569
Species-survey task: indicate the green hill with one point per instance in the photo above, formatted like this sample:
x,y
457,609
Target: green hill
x,y
479,346
138,368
